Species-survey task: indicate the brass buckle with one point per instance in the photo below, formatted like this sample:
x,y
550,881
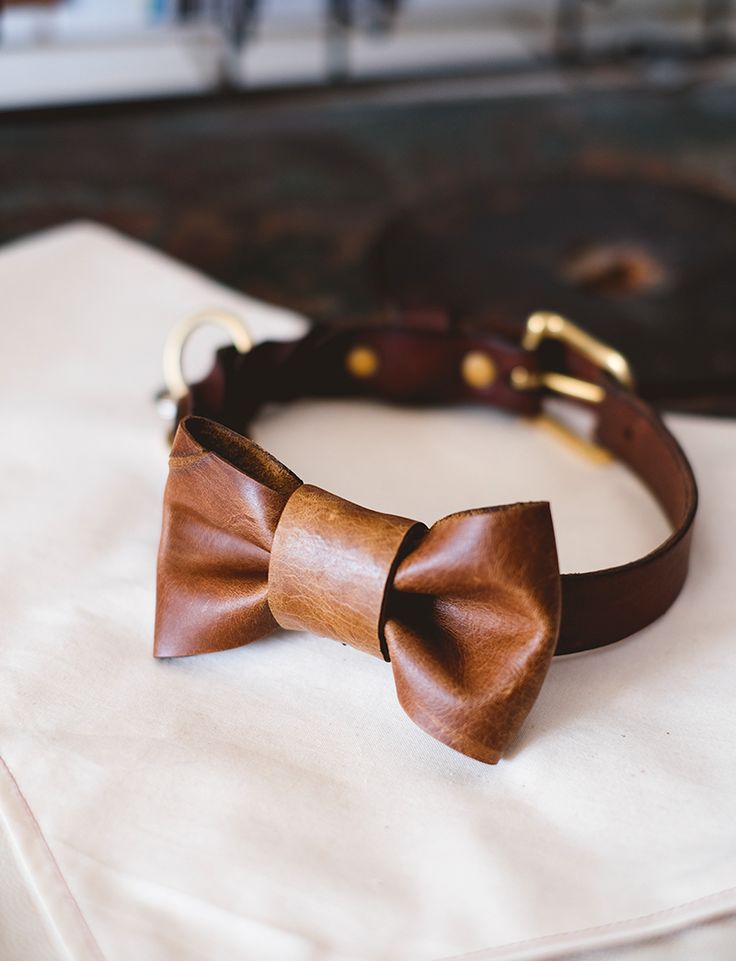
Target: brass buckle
x,y
544,325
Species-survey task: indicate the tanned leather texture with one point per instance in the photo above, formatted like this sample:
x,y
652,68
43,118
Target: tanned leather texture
x,y
470,611
331,567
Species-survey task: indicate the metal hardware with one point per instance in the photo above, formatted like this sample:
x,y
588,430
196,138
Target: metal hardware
x,y
589,449
544,325
523,379
478,369
362,362
176,385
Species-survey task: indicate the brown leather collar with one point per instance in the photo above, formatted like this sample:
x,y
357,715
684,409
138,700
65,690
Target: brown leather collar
x,y
469,611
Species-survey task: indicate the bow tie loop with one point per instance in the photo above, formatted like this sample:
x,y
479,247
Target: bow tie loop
x,y
332,565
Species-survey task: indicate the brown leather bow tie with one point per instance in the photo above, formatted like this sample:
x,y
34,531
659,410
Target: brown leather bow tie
x,y
470,611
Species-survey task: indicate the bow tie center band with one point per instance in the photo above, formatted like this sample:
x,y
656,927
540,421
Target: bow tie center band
x,y
468,612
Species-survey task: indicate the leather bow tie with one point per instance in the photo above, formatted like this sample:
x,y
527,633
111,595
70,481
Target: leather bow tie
x,y
470,611
466,611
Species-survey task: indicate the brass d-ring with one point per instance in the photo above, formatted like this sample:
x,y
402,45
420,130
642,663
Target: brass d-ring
x,y
176,385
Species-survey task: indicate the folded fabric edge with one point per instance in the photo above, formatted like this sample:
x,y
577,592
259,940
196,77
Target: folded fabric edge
x,y
626,933
57,906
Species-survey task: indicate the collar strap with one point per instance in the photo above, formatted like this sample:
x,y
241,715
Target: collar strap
x,y
469,611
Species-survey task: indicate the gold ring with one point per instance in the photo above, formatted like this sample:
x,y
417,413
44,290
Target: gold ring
x,y
176,385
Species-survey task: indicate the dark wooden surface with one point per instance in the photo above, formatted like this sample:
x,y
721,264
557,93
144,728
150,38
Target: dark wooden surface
x,y
616,206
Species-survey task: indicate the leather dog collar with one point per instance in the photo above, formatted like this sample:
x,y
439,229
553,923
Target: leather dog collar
x,y
469,611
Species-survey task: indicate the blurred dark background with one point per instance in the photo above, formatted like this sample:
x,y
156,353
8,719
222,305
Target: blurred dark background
x,y
595,174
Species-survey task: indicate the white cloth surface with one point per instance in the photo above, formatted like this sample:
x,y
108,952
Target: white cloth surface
x,y
274,803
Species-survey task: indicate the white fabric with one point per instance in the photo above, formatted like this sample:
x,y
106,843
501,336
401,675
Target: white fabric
x,y
274,803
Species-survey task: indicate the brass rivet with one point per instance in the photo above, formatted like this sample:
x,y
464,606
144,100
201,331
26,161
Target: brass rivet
x,y
478,369
522,379
362,361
